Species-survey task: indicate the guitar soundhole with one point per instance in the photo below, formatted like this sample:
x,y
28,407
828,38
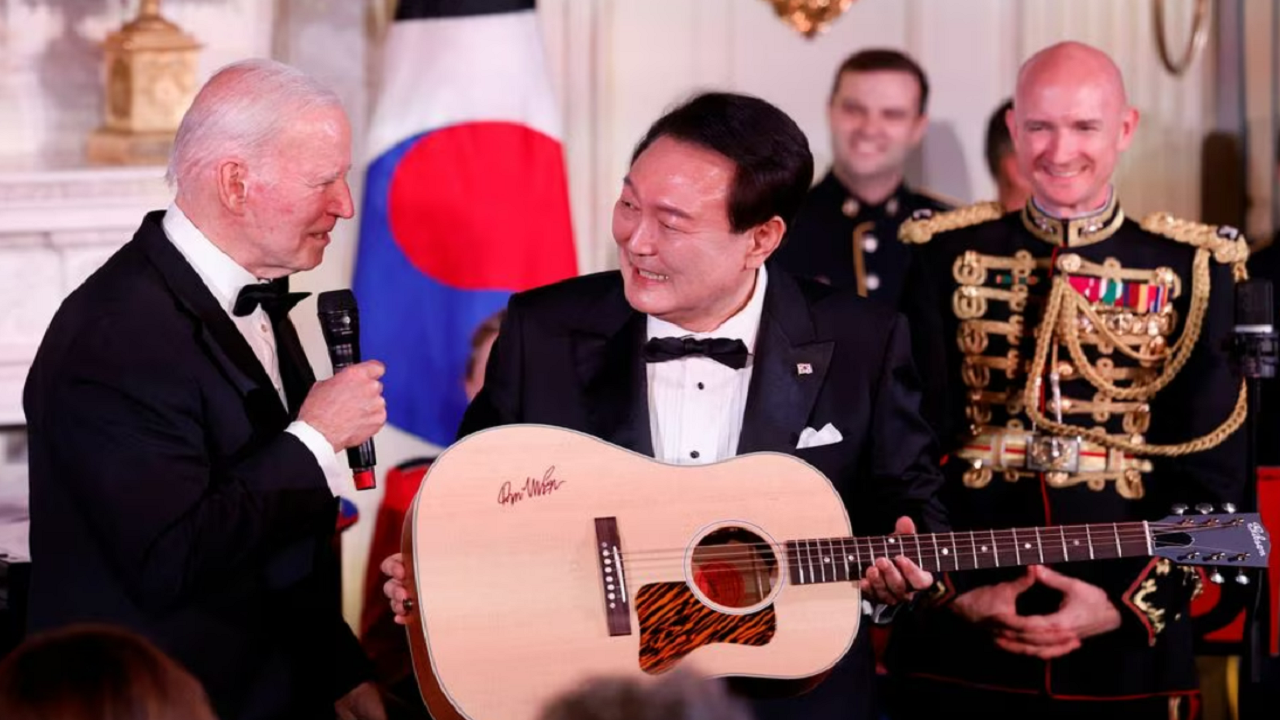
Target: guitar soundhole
x,y
734,568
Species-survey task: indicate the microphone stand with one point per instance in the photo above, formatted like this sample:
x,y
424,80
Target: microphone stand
x,y
1255,351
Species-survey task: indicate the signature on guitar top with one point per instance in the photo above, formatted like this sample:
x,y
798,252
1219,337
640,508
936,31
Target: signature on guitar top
x,y
540,557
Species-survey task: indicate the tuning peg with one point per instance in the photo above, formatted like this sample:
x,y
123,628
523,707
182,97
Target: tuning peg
x,y
1216,578
1204,508
1241,578
1228,507
1179,508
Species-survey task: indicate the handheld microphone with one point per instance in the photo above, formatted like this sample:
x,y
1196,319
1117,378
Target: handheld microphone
x,y
340,323
1255,333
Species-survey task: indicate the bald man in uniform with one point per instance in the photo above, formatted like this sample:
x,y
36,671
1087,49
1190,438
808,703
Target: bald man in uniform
x,y
1076,374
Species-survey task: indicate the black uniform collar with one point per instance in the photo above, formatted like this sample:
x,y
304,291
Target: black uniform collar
x,y
852,205
1075,232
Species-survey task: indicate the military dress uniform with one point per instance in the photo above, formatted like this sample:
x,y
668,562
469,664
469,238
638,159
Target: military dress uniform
x,y
839,239
1076,374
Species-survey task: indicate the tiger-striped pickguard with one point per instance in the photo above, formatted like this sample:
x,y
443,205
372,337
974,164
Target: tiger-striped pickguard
x,y
674,623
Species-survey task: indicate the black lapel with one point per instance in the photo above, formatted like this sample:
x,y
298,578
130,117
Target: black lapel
x,y
216,333
610,364
295,370
788,370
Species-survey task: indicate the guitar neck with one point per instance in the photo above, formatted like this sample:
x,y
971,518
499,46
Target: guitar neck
x,y
843,559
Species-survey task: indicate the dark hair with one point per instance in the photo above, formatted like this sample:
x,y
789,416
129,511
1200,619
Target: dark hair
x,y
774,167
999,142
485,330
97,672
680,695
882,60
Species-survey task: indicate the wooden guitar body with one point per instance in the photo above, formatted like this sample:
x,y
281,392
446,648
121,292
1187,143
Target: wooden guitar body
x,y
540,557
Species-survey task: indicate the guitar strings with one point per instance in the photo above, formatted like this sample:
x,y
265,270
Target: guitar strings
x,y
964,546
962,538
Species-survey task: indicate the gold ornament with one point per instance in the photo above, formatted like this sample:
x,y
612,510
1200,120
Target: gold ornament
x,y
810,17
1199,36
150,82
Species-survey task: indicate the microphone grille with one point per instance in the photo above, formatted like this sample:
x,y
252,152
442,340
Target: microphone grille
x,y
1253,302
332,301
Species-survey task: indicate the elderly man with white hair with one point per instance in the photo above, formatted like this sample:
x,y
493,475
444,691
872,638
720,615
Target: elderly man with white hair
x,y
184,461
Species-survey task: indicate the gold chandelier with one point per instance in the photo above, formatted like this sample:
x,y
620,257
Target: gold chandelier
x,y
810,17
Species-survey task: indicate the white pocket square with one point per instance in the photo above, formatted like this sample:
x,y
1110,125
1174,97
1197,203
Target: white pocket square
x,y
811,438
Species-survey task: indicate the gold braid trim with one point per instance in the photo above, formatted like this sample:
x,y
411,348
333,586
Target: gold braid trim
x,y
1226,243
918,232
1177,355
1058,321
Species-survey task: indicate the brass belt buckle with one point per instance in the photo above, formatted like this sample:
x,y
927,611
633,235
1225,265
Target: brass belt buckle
x,y
1051,453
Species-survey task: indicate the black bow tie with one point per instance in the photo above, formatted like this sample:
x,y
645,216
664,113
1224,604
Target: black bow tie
x,y
732,353
274,297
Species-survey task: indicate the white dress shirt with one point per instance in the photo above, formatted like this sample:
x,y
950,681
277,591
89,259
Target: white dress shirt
x,y
224,278
696,404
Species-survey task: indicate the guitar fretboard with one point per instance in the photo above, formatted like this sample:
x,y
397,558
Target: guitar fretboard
x,y
843,559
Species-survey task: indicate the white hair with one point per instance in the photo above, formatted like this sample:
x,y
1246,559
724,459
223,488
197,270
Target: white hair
x,y
240,111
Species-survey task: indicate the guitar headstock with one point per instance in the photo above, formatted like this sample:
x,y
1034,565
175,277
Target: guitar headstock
x,y
1227,539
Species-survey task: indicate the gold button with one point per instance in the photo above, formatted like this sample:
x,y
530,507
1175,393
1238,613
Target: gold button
x,y
1069,263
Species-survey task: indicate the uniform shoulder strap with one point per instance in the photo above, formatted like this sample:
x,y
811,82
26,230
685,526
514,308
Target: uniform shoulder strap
x,y
1226,243
924,224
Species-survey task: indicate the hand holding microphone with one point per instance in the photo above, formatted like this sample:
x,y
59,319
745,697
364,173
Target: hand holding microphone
x,y
348,408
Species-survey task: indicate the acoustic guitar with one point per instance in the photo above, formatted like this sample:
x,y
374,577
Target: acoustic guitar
x,y
540,557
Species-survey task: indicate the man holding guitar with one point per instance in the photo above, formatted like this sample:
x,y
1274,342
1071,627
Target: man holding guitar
x,y
700,349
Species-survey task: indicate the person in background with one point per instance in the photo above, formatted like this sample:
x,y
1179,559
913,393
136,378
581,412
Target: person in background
x,y
1012,188
846,232
481,343
97,672
678,695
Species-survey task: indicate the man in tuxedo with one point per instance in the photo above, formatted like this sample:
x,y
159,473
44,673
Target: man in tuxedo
x,y
699,349
183,460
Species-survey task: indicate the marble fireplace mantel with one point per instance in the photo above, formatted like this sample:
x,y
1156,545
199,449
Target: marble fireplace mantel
x,y
59,223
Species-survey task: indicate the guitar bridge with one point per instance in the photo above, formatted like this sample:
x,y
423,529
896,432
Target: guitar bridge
x,y
613,577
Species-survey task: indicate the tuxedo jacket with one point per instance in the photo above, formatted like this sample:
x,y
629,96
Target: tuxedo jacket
x,y
570,355
167,498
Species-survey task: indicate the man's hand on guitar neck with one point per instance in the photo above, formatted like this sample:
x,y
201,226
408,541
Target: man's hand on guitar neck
x,y
397,594
893,581
1085,611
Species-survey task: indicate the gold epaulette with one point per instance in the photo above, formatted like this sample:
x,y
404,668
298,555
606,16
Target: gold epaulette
x,y
925,224
1227,244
